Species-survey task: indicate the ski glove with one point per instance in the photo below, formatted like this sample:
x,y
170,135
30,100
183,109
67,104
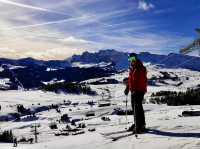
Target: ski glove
x,y
126,91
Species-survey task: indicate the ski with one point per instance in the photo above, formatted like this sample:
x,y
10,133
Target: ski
x,y
116,138
113,133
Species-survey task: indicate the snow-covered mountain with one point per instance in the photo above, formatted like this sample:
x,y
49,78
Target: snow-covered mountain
x,y
169,128
34,62
30,77
31,73
21,110
119,59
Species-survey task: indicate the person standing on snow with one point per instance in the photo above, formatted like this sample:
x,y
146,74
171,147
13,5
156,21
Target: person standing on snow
x,y
15,142
137,85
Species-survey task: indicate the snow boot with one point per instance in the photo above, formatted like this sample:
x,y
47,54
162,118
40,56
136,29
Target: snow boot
x,y
140,130
131,128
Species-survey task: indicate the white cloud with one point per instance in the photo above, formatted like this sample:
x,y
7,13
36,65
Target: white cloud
x,y
44,24
30,33
21,48
73,40
52,54
144,5
29,6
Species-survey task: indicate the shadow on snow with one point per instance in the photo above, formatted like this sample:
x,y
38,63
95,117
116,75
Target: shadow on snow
x,y
174,134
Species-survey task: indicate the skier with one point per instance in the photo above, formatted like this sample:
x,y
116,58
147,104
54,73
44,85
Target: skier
x,y
15,142
137,85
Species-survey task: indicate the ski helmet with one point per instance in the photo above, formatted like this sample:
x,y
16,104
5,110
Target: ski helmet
x,y
132,57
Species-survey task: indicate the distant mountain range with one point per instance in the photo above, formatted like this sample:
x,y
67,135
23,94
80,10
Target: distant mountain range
x,y
31,73
119,59
30,62
34,77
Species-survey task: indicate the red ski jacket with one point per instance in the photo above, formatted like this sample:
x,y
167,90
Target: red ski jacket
x,y
137,80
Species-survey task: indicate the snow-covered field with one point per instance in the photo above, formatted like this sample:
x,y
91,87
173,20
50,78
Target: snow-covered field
x,y
169,130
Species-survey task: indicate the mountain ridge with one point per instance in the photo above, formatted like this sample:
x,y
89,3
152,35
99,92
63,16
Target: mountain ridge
x,y
118,58
30,73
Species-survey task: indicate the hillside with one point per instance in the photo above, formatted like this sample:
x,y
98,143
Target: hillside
x,y
30,73
168,126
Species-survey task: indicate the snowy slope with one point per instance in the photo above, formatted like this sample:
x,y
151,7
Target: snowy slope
x,y
169,129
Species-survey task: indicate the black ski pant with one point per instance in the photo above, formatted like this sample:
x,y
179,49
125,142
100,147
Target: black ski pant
x,y
137,98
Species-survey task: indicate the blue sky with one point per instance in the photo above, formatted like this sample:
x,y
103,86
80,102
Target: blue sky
x,y
56,29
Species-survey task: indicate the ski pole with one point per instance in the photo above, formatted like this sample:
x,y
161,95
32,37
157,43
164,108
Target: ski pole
x,y
126,112
135,115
